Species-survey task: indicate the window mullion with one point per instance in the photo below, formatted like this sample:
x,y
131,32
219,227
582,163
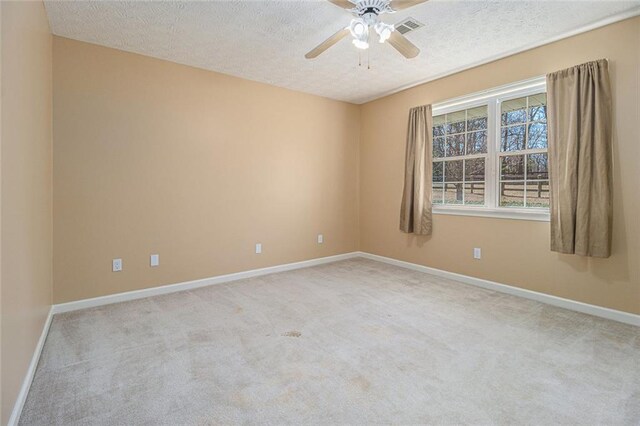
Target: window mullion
x,y
493,141
464,161
526,156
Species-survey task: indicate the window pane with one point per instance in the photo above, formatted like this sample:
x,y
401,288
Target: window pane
x,y
477,118
453,193
537,166
453,171
538,107
438,147
438,125
512,138
511,194
436,193
538,194
477,142
512,167
514,111
455,145
437,171
474,169
474,193
455,122
537,136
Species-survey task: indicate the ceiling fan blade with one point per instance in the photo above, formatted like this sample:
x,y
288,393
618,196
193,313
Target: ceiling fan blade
x,y
327,43
402,45
345,4
405,4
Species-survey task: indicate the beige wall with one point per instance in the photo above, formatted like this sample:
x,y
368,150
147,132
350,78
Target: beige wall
x,y
155,157
26,189
514,252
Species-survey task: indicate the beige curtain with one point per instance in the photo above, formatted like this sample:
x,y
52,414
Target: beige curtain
x,y
579,135
415,213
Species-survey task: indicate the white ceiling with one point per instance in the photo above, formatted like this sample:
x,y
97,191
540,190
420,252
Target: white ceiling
x,y
265,40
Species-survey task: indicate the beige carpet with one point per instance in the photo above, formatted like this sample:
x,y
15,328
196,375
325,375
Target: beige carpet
x,y
354,342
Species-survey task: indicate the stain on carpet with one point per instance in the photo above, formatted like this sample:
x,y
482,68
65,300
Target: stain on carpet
x,y
292,333
238,400
360,383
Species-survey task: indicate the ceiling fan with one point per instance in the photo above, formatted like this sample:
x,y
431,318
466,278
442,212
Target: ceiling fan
x,y
367,16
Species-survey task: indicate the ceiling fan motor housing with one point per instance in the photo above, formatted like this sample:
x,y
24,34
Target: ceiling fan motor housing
x,y
370,9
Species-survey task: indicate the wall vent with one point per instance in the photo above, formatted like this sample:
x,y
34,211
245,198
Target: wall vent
x,y
409,24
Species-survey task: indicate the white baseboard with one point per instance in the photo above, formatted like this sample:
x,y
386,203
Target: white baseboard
x,y
31,371
188,285
573,305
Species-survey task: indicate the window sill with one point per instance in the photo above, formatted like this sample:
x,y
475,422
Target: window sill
x,y
539,215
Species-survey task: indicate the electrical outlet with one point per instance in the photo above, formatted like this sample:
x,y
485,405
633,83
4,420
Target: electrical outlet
x,y
320,238
258,248
477,253
116,265
155,260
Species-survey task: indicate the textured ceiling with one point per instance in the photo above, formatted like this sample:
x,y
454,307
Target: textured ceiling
x,y
265,40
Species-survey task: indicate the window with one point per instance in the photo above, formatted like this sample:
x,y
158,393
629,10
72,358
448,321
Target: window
x,y
459,154
490,153
524,175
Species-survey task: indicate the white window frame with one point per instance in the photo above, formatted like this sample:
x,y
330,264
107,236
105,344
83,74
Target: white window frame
x,y
492,99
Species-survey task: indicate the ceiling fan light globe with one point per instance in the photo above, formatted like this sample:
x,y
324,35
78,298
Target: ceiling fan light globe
x,y
360,44
384,35
384,31
358,28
